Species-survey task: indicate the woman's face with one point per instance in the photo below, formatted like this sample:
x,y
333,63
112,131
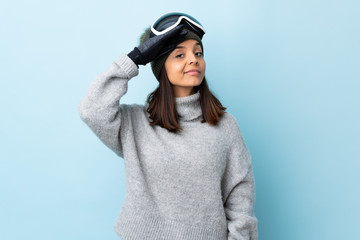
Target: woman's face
x,y
185,67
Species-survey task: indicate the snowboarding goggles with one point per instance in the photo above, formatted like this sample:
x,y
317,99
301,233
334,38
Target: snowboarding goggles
x,y
170,20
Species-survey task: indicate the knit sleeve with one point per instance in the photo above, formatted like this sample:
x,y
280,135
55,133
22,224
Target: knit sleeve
x,y
239,191
100,110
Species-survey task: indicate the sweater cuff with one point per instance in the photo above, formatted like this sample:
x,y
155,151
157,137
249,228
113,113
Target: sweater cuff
x,y
126,64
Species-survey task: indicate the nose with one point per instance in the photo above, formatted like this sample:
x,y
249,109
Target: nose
x,y
193,59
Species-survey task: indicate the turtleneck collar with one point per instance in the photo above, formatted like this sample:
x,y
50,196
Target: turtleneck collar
x,y
188,107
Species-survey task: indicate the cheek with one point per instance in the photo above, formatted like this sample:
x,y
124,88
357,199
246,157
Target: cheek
x,y
174,70
177,67
203,67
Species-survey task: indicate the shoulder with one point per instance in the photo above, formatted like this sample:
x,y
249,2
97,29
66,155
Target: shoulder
x,y
229,125
228,121
132,107
228,118
134,111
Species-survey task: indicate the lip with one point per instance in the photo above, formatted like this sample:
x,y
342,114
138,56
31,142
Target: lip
x,y
193,72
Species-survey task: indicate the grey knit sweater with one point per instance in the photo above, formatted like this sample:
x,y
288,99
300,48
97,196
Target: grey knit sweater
x,y
193,185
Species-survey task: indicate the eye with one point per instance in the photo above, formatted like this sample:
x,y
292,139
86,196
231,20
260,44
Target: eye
x,y
179,56
199,54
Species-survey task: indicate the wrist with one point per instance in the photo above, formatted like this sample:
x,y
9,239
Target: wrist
x,y
134,56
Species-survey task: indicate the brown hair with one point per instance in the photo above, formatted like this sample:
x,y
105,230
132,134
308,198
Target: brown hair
x,y
162,105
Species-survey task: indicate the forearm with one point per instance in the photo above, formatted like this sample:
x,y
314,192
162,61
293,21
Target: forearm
x,y
239,209
99,109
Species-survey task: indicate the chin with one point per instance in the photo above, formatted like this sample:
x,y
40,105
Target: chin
x,y
198,82
194,82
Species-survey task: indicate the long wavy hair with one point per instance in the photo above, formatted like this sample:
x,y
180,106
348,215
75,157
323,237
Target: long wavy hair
x,y
162,105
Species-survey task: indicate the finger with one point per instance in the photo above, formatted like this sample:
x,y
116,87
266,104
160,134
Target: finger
x,y
174,40
166,49
183,33
172,32
176,30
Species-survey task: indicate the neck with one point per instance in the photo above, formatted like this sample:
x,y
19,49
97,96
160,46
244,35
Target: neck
x,y
189,107
183,91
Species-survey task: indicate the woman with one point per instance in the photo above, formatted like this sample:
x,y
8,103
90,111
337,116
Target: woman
x,y
188,171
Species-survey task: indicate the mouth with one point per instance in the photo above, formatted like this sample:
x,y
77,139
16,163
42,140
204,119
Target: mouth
x,y
193,72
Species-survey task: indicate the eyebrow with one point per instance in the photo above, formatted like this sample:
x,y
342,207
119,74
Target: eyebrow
x,y
196,44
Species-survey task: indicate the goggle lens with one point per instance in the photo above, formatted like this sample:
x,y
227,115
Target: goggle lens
x,y
171,20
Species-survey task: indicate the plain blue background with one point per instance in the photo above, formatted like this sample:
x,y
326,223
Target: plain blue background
x,y
287,70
